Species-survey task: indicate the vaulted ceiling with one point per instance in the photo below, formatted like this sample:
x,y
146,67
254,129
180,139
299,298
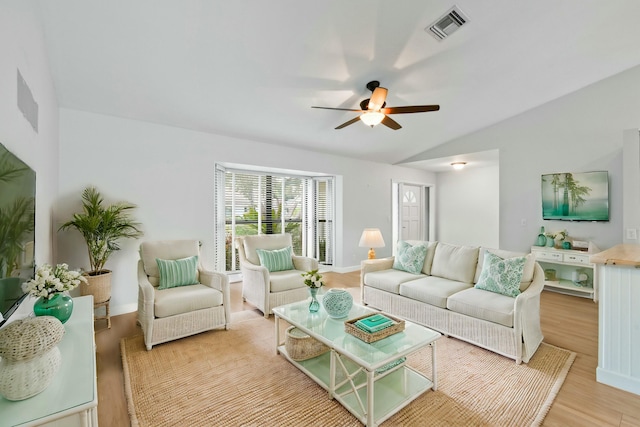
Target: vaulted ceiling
x,y
253,68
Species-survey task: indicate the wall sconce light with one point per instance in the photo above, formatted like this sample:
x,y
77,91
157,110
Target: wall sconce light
x,y
458,165
371,238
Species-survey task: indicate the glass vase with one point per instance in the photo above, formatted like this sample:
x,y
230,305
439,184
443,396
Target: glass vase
x,y
59,306
314,305
542,239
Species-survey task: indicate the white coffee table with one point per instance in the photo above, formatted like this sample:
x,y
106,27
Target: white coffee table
x,y
355,373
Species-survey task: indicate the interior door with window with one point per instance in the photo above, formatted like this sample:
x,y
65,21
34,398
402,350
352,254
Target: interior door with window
x,y
412,212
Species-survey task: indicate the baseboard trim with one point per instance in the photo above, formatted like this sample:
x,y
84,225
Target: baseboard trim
x,y
339,269
123,309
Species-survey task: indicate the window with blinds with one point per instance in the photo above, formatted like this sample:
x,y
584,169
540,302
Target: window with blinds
x,y
250,203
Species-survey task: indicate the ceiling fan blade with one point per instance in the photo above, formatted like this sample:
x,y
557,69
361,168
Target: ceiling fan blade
x,y
377,99
410,109
390,123
341,109
350,122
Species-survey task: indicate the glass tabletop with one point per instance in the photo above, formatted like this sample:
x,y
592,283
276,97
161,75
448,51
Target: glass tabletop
x,y
368,355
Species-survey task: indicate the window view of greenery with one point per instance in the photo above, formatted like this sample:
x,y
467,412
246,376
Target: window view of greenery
x,y
261,204
269,204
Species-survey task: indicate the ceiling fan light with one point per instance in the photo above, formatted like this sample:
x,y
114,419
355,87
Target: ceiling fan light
x,y
372,118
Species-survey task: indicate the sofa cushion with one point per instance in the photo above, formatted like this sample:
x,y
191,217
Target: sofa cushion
x,y
389,280
431,250
483,305
177,272
502,276
277,259
286,280
185,299
455,262
432,290
410,258
527,273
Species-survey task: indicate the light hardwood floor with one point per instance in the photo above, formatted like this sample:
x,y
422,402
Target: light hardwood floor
x,y
567,322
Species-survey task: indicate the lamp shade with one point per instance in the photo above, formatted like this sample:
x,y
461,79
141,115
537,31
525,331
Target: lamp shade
x,y
371,238
372,118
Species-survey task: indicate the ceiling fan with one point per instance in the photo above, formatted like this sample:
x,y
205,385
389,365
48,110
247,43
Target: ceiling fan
x,y
374,110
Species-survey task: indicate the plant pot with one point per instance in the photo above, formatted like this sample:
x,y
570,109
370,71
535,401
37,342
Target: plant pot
x,y
98,285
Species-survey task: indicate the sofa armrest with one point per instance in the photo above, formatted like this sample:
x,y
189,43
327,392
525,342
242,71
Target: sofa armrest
x,y
145,287
304,263
219,281
527,313
370,265
214,280
146,299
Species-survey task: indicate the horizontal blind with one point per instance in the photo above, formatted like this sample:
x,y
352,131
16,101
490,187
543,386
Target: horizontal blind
x,y
268,203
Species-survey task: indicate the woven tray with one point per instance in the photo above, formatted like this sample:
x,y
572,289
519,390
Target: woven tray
x,y
351,328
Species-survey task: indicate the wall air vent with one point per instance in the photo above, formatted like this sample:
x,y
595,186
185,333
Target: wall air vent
x,y
447,24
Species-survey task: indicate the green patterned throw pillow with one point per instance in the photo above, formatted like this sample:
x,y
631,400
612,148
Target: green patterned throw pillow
x,y
177,272
410,258
501,276
276,260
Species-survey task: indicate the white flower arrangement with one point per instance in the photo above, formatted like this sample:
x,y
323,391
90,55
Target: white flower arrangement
x,y
313,279
558,235
561,235
50,281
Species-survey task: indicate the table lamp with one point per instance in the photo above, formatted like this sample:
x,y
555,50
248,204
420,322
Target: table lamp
x,y
371,238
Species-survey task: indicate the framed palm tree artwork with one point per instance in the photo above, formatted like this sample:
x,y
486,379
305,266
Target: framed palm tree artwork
x,y
582,196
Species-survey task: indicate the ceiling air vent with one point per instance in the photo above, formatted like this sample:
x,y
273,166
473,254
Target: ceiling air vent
x,y
447,24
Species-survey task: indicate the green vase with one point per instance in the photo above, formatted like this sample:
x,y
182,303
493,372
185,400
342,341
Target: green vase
x,y
542,239
314,305
59,306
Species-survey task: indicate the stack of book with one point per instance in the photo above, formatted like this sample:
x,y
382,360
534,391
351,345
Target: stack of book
x,y
374,323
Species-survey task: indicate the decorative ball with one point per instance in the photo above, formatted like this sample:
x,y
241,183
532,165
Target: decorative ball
x,y
25,378
337,303
31,337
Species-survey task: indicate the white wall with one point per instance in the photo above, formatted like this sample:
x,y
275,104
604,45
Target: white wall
x,y
630,186
469,197
168,172
22,47
582,131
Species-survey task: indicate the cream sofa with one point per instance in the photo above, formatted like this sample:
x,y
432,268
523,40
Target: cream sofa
x,y
443,297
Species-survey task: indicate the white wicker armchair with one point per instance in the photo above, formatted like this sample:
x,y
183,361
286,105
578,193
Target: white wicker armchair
x,y
169,314
266,289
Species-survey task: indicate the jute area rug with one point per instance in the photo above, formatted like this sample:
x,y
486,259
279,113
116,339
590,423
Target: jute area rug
x,y
234,378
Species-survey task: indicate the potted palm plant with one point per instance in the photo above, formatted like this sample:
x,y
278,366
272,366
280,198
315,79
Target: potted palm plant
x,y
101,227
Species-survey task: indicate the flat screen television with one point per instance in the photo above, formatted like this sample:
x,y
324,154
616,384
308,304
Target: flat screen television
x,y
17,228
576,196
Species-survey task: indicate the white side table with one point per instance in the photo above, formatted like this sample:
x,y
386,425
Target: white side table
x,y
72,397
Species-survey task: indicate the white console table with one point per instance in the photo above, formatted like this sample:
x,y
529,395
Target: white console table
x,y
565,262
72,397
619,317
